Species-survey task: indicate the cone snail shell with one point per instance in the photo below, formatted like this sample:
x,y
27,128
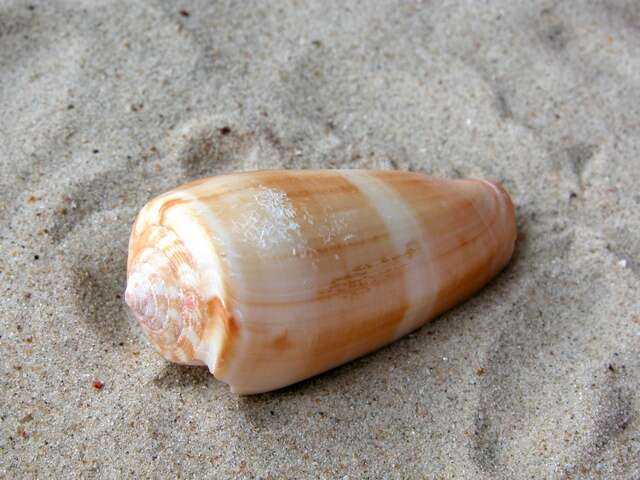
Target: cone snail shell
x,y
272,277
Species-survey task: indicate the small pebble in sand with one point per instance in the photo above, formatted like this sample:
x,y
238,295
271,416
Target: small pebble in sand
x,y
26,419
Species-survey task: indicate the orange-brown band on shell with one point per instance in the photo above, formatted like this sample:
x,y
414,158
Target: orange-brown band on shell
x,y
454,245
320,198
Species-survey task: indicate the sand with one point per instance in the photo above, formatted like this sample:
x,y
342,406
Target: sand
x,y
107,103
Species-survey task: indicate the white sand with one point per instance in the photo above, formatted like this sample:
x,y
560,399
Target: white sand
x,y
104,104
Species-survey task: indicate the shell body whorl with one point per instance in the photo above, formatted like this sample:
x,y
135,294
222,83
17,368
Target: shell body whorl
x,y
271,277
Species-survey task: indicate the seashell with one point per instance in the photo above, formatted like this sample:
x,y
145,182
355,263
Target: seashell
x,y
272,277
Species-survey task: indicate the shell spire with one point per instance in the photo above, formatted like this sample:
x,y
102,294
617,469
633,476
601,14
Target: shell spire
x,y
272,277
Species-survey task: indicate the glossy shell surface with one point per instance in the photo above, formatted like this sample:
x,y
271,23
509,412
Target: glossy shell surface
x,y
271,277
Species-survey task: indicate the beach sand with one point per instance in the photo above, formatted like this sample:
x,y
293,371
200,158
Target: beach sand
x,y
105,104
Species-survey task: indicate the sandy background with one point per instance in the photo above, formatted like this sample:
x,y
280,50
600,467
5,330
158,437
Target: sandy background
x,y
104,104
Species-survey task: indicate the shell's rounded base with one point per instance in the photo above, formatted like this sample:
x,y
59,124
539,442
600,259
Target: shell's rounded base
x,y
148,301
162,286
